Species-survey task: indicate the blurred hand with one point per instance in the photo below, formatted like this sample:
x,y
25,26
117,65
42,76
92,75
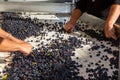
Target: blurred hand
x,y
69,27
26,48
110,32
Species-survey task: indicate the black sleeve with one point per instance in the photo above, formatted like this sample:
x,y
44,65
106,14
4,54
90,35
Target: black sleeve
x,y
117,2
81,4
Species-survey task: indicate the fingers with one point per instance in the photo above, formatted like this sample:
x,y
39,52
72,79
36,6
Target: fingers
x,y
69,27
29,50
26,48
110,33
113,35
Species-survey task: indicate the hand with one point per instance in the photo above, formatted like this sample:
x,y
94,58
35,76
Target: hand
x,y
26,48
110,32
69,27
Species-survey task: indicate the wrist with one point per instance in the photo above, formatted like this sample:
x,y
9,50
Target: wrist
x,y
17,47
109,24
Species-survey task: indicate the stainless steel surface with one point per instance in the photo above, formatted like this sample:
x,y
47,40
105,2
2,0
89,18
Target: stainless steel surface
x,y
48,11
56,1
15,0
5,57
36,7
81,53
99,23
96,22
93,21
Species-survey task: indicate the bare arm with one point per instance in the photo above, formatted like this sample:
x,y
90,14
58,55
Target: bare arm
x,y
4,34
72,22
10,43
114,13
75,16
7,45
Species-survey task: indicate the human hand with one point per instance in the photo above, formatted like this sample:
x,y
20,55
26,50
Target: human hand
x,y
110,31
25,48
69,27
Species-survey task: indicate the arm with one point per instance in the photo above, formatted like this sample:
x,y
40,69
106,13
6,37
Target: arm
x,y
80,8
112,17
7,45
4,34
72,22
75,16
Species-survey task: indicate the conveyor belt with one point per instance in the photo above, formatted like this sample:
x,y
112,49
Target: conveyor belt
x,y
87,54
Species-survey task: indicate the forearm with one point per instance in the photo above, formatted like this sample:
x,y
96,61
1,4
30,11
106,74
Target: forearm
x,y
10,37
75,16
114,13
3,34
7,45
